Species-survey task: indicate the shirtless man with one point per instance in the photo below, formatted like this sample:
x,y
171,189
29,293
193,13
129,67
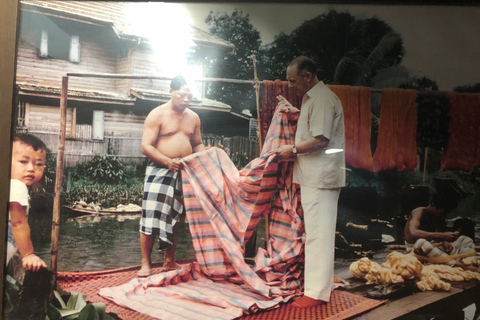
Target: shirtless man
x,y
426,225
429,222
171,132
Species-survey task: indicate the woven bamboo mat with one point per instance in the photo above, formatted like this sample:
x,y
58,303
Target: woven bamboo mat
x,y
342,304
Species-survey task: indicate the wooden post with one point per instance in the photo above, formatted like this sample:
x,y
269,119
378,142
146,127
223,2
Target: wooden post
x,y
257,94
58,182
425,165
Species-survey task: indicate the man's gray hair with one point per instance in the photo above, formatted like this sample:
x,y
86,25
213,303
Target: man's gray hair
x,y
304,64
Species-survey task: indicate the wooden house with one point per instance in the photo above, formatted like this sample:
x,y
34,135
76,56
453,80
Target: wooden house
x,y
105,115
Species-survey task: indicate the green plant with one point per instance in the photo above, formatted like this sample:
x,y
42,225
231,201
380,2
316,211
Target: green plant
x,y
11,294
240,160
107,169
50,171
105,181
104,195
76,308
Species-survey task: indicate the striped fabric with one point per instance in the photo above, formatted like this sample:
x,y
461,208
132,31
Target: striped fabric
x,y
223,207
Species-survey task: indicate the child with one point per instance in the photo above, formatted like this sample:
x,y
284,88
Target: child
x,y
28,164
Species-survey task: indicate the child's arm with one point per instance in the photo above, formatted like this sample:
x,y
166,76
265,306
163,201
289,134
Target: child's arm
x,y
21,234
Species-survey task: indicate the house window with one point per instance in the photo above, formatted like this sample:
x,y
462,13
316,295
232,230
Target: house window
x,y
43,50
57,44
98,124
75,49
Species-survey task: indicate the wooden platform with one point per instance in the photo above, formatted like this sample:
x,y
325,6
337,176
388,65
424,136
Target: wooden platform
x,y
430,304
416,304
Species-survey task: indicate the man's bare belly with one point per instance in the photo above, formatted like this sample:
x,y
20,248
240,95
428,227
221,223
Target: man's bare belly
x,y
176,146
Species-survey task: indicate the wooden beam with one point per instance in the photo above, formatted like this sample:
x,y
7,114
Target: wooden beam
x,y
146,76
75,98
58,182
116,76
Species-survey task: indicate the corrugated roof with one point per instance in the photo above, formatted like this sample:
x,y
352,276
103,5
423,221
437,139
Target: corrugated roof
x,y
114,13
109,97
26,88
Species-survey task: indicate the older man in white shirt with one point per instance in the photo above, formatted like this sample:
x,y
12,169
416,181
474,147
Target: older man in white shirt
x,y
320,170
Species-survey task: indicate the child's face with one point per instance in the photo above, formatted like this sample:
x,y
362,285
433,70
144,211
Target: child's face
x,y
27,164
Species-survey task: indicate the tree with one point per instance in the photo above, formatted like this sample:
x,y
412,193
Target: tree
x,y
420,84
274,57
348,51
401,77
237,29
474,88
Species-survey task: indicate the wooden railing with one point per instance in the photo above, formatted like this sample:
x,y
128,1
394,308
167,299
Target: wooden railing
x,y
82,149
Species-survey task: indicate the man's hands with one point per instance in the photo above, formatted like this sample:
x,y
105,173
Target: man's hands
x,y
286,106
33,262
450,236
175,164
285,152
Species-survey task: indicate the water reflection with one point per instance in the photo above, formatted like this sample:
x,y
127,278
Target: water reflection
x,y
102,242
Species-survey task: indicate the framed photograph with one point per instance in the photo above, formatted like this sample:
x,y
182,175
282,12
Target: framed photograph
x,y
85,76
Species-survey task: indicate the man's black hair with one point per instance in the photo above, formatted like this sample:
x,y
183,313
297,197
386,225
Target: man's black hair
x,y
31,140
444,201
178,82
304,64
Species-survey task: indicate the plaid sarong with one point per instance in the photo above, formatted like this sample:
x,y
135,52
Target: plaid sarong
x,y
162,204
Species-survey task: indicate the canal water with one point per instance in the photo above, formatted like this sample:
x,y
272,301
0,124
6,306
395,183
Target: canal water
x,y
113,242
106,243
101,244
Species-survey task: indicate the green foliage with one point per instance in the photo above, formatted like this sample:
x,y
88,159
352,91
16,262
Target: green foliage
x,y
274,57
76,308
474,88
240,160
236,29
105,181
347,50
106,169
11,294
420,84
104,195
50,171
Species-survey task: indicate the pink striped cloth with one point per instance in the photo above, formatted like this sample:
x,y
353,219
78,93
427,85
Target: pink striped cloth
x,y
223,207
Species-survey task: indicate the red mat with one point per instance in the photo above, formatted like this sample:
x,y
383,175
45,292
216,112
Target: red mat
x,y
342,304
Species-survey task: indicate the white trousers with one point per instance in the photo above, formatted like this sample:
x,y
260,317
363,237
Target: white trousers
x,y
320,216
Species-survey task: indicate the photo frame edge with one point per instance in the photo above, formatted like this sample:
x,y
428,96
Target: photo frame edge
x,y
9,17
8,37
